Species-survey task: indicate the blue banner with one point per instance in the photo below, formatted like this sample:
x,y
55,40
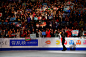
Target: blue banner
x,y
12,18
66,8
35,18
24,43
44,3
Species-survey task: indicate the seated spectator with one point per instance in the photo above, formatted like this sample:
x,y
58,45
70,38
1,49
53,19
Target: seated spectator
x,y
25,15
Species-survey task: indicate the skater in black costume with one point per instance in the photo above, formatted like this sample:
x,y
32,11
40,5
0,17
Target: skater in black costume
x,y
63,34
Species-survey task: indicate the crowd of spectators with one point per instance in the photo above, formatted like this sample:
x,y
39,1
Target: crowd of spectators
x,y
43,18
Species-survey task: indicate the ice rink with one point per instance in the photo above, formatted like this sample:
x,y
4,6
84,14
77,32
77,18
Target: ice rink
x,y
35,53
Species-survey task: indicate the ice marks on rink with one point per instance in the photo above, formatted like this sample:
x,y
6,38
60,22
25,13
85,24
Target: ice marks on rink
x,y
42,53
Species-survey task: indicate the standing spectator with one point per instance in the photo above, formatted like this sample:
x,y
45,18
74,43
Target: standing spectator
x,y
9,33
75,24
6,33
81,32
40,33
0,32
13,34
28,33
69,33
28,19
43,33
46,15
37,35
31,16
48,33
25,34
33,31
52,33
70,24
85,27
18,34
3,34
66,19
55,33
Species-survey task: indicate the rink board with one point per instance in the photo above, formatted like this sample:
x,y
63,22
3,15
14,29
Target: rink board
x,y
40,44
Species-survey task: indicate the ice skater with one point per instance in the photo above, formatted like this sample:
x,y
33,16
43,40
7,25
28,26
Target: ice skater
x,y
63,34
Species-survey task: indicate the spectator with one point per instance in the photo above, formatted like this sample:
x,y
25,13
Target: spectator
x,y
28,33
66,19
3,34
68,33
81,23
33,31
85,27
0,32
52,33
18,34
37,35
9,33
24,15
81,32
75,24
43,33
48,33
40,33
55,33
28,19
13,33
6,33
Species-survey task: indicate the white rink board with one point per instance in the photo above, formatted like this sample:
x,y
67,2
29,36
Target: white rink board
x,y
44,42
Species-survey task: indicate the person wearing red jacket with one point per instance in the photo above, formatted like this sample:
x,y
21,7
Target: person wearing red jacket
x,y
48,33
68,33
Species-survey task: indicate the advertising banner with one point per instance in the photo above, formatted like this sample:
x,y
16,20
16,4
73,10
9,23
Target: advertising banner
x,y
0,43
75,32
15,42
4,43
47,42
32,36
12,18
41,43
